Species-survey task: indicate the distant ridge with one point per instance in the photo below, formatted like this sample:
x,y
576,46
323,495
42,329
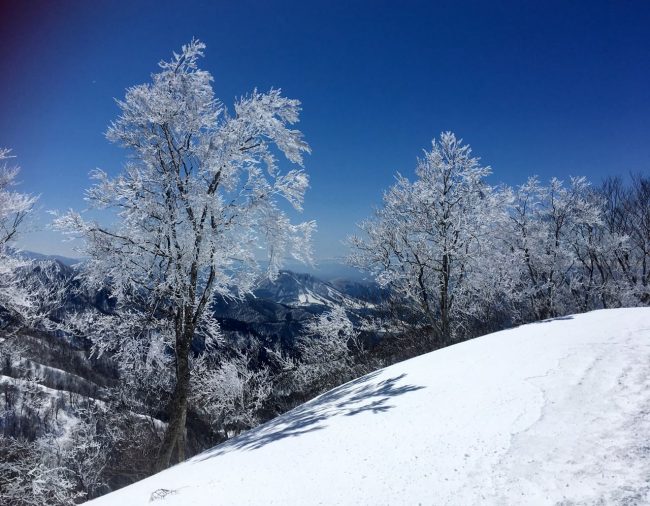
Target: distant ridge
x,y
33,255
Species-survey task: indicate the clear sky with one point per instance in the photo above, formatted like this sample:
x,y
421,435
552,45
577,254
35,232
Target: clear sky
x,y
553,88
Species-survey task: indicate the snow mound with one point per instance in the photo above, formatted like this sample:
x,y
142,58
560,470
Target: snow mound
x,y
556,412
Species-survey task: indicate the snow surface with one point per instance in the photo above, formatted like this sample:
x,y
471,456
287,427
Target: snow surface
x,y
556,412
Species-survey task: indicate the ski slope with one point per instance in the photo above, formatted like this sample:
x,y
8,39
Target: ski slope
x,y
556,412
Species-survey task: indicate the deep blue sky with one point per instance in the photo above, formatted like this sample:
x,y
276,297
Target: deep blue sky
x,y
537,87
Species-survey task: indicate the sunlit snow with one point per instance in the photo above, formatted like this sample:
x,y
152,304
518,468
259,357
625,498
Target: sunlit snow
x,y
547,413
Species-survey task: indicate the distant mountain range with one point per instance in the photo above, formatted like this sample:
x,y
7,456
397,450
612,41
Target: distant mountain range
x,y
300,290
276,312
328,269
33,255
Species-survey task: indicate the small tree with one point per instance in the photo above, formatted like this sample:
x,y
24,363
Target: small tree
x,y
197,199
432,239
327,352
231,393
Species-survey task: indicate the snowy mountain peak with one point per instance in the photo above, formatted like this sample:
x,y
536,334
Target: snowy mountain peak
x,y
297,290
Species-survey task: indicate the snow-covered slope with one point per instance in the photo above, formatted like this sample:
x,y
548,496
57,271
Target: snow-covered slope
x,y
556,412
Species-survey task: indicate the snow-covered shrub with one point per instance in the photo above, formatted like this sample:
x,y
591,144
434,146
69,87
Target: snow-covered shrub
x,y
327,352
231,393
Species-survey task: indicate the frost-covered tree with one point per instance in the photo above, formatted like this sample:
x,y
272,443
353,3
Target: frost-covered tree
x,y
432,241
327,352
32,473
628,214
85,452
14,206
198,198
17,302
626,218
231,393
553,238
595,280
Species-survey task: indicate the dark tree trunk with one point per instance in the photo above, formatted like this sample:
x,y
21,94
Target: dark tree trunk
x,y
174,438
444,326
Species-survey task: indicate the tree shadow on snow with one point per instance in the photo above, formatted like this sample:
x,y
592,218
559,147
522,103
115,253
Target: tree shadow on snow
x,y
355,397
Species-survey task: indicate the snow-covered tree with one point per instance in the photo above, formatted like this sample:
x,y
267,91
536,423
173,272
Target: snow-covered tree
x,y
553,240
87,453
16,301
14,206
626,219
327,352
231,393
32,474
634,215
198,198
596,281
51,469
432,241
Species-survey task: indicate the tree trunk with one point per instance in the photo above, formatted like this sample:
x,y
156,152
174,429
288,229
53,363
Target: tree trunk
x,y
444,326
174,435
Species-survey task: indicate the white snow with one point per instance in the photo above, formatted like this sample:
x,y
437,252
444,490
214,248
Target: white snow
x,y
556,412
